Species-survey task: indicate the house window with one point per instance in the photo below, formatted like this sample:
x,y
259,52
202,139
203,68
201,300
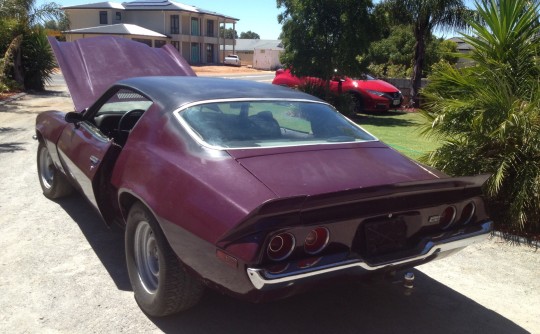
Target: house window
x,y
158,43
103,17
209,53
175,24
195,27
118,16
195,53
176,45
144,41
210,28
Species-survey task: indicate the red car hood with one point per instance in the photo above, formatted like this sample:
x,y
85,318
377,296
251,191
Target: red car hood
x,y
378,85
89,74
311,172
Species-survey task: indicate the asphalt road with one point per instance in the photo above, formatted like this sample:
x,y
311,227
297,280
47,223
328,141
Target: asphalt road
x,y
63,271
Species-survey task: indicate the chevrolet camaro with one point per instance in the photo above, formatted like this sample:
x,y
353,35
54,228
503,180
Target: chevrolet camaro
x,y
255,190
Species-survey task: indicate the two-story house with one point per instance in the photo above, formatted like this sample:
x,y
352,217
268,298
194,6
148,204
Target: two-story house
x,y
194,32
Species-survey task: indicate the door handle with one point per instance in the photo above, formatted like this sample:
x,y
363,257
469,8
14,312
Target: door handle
x,y
94,160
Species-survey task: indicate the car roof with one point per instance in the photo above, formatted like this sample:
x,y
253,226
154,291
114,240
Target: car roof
x,y
174,91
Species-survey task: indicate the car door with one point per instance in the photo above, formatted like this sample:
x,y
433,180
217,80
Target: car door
x,y
82,147
89,148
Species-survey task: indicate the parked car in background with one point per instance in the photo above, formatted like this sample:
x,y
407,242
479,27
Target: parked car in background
x,y
370,94
255,190
232,60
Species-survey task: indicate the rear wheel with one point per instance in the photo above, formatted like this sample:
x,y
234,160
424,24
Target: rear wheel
x,y
160,282
53,183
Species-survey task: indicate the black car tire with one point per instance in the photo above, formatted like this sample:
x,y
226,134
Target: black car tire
x,y
160,282
356,100
54,183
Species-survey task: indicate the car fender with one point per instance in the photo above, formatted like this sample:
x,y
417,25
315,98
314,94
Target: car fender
x,y
49,127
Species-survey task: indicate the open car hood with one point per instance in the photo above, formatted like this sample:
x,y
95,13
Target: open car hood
x,y
91,65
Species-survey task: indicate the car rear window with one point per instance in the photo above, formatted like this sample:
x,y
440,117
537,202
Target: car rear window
x,y
250,124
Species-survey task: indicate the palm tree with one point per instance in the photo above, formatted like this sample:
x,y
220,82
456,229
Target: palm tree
x,y
28,35
424,16
488,115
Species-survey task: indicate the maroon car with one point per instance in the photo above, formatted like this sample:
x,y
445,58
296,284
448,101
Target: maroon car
x,y
369,94
256,190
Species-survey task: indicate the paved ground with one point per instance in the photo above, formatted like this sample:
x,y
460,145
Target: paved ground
x,y
62,271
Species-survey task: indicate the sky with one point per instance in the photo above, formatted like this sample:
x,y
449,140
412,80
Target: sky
x,y
259,16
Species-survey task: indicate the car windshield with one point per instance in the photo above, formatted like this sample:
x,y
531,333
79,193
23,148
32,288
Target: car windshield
x,y
250,124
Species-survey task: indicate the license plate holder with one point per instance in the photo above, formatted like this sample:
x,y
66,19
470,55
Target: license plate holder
x,y
385,236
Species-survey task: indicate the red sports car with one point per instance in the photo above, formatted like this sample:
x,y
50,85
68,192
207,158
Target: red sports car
x,y
370,94
256,190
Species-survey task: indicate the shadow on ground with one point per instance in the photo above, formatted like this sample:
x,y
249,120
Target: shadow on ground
x,y
383,119
376,307
363,307
107,243
11,147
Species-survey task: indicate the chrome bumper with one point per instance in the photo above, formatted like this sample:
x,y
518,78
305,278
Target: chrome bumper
x,y
260,278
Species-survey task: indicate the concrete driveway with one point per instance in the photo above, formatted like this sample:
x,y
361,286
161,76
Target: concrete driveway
x,y
63,271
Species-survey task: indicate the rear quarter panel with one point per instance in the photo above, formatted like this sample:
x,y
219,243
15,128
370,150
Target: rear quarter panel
x,y
206,192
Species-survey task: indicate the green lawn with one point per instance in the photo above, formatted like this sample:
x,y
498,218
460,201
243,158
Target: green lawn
x,y
399,130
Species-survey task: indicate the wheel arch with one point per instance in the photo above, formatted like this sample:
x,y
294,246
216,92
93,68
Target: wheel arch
x,y
126,200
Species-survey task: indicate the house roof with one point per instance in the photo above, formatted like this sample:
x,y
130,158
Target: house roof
x,y
252,44
117,29
150,5
461,44
97,5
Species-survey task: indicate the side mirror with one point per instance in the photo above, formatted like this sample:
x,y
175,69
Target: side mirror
x,y
74,117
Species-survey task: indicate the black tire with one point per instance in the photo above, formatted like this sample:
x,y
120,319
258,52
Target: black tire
x,y
160,282
356,99
53,183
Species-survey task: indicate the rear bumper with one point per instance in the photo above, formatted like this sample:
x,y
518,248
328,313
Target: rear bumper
x,y
264,280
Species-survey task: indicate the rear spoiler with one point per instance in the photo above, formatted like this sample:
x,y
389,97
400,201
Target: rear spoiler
x,y
361,202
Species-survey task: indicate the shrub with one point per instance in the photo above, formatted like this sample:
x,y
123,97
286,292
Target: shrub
x,y
37,58
344,103
488,115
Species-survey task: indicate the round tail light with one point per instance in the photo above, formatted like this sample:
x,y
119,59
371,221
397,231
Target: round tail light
x,y
447,217
280,246
467,213
316,240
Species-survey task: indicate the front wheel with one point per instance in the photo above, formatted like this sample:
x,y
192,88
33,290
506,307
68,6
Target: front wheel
x,y
160,282
53,183
356,102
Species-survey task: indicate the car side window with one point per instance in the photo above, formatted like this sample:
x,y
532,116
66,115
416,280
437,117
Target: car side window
x,y
119,114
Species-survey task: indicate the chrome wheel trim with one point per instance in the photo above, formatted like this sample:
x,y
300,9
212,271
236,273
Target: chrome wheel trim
x,y
146,256
46,168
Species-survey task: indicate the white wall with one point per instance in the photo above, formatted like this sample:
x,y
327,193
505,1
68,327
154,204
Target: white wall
x,y
153,20
265,59
84,18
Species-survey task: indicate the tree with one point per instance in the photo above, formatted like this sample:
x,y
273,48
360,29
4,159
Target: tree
x,y
322,36
28,39
228,33
250,35
393,56
424,16
488,115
